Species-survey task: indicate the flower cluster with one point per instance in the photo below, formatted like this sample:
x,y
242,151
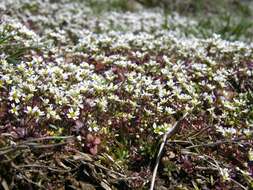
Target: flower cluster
x,y
132,70
154,77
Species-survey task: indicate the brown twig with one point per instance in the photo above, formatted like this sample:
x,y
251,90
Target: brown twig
x,y
239,184
199,132
167,135
25,177
105,169
32,182
49,138
42,166
4,183
213,144
30,144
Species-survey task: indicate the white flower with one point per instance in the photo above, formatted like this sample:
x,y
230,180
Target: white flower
x,y
148,112
229,105
161,129
14,109
73,114
169,110
248,132
29,110
52,113
15,95
224,172
79,138
250,155
226,131
35,112
102,102
183,96
93,126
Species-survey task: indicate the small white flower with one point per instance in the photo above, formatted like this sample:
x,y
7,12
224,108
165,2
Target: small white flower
x,y
161,129
224,172
73,114
226,131
52,113
93,126
250,155
35,112
102,103
169,110
248,132
14,109
15,95
79,138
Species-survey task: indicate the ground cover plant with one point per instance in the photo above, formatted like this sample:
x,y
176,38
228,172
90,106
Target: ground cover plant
x,y
89,88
